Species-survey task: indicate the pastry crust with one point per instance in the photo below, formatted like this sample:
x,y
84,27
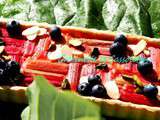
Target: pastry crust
x,y
109,107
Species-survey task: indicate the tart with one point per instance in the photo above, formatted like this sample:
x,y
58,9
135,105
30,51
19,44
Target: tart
x,y
120,72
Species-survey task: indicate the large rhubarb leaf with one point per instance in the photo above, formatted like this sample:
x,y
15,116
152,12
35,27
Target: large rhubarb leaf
x,y
47,103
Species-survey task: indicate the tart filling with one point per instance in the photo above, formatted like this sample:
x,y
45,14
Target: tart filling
x,y
108,68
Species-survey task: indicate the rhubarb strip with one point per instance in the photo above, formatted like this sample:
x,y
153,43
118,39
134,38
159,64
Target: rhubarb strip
x,y
13,50
102,50
47,66
88,69
137,98
28,48
95,42
13,41
74,75
155,57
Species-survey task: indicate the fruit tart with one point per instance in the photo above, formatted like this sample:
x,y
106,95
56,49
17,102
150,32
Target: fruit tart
x,y
118,71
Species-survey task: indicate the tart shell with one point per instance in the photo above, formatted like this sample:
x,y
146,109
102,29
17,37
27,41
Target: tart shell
x,y
114,108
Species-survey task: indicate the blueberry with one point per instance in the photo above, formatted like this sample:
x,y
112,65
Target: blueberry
x,y
121,39
1,72
145,66
102,66
14,28
117,49
95,53
93,80
150,90
4,77
18,79
55,33
98,91
84,89
2,64
13,67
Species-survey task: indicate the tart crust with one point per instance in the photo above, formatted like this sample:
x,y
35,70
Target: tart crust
x,y
109,107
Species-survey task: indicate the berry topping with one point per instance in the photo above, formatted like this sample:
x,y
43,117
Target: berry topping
x,y
99,91
150,90
102,66
145,66
14,28
95,53
84,89
10,73
93,80
13,67
55,33
2,64
121,39
117,49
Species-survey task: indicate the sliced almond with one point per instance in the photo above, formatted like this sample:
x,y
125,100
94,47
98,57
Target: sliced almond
x,y
2,49
42,31
77,54
158,95
147,52
31,31
31,37
75,42
112,89
55,55
83,79
139,47
7,57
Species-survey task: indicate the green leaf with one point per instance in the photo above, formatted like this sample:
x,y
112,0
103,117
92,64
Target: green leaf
x,y
47,103
128,16
154,11
18,9
84,13
42,11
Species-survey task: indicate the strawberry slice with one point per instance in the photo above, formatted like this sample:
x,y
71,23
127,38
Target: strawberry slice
x,y
74,75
